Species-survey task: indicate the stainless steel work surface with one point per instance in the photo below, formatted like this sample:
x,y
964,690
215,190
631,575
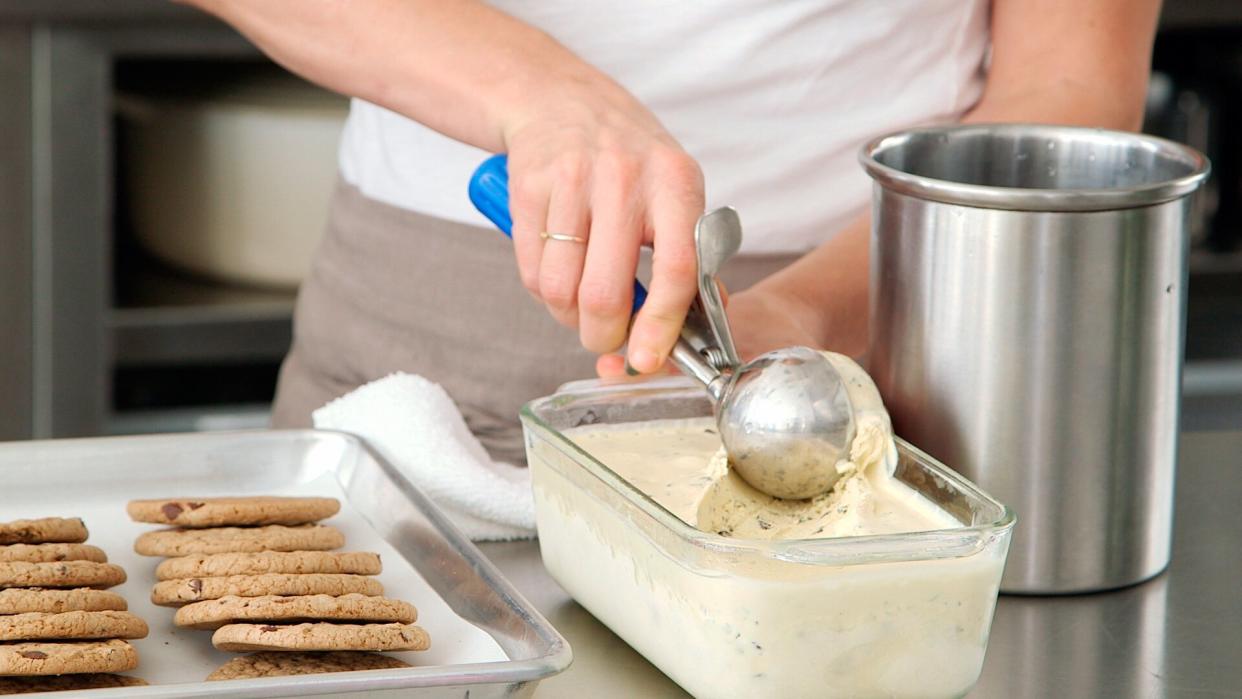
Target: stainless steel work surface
x,y
486,640
1179,635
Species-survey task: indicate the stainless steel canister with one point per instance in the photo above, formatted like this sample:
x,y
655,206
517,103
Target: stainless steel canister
x,y
1028,295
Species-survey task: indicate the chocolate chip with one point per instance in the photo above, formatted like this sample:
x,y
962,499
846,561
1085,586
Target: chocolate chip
x,y
265,629
588,418
196,586
195,505
34,655
171,510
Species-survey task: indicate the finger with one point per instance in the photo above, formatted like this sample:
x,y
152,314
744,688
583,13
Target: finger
x,y
676,205
528,208
610,366
560,268
606,295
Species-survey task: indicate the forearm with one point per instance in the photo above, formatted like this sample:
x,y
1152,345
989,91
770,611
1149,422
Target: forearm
x,y
458,66
825,291
1069,62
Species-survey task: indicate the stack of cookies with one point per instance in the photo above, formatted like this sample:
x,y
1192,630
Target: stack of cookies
x,y
264,575
59,628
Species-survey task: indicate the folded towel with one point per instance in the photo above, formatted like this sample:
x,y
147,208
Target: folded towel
x,y
415,425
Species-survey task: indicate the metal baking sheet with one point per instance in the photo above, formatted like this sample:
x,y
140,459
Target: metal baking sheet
x,y
487,641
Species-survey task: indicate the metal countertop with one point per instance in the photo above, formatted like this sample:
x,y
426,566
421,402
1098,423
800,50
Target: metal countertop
x,y
1178,635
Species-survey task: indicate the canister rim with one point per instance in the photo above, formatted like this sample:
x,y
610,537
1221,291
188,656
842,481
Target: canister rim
x,y
1032,199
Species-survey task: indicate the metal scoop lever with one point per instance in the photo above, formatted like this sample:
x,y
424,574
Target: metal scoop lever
x,y
717,237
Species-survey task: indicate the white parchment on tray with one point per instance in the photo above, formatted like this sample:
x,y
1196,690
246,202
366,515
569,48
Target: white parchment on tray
x,y
94,479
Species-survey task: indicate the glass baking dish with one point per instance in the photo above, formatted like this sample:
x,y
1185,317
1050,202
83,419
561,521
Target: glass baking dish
x,y
896,615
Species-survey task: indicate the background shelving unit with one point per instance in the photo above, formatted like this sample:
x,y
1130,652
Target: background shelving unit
x,y
104,338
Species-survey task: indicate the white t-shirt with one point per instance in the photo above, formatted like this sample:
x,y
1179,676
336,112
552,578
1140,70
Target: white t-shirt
x,y
772,97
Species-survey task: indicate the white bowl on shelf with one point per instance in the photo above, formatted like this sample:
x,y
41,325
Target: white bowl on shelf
x,y
234,184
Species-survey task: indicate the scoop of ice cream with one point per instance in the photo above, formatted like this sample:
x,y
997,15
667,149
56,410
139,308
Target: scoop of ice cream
x,y
731,507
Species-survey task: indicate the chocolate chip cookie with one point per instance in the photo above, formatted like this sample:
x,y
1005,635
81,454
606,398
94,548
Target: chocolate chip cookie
x,y
213,614
175,593
42,531
51,553
242,637
222,512
273,537
21,600
60,574
41,626
300,562
67,658
281,664
66,683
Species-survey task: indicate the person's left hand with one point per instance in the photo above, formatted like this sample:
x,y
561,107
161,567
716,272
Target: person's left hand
x,y
761,320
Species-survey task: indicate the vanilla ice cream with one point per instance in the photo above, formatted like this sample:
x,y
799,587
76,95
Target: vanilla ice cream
x,y
681,465
872,589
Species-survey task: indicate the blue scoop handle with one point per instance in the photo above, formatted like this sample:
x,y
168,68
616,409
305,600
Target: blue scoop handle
x,y
489,192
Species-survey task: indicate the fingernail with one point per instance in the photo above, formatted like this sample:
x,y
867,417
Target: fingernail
x,y
644,358
629,370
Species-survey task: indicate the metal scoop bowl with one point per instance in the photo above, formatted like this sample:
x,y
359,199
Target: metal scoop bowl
x,y
786,421
785,417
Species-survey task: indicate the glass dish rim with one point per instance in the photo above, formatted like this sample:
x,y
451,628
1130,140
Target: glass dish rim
x,y
890,548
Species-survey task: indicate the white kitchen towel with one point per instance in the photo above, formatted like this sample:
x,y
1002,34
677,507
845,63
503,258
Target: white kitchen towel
x,y
415,425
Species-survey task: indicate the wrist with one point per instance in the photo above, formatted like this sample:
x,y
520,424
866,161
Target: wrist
x,y
571,94
796,310
825,295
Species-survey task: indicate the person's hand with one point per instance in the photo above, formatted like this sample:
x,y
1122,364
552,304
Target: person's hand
x,y
591,162
760,319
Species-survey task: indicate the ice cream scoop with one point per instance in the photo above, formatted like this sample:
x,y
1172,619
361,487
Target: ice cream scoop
x,y
786,421
785,417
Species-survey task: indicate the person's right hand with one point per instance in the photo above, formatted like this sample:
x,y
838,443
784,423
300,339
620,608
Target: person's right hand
x,y
589,161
